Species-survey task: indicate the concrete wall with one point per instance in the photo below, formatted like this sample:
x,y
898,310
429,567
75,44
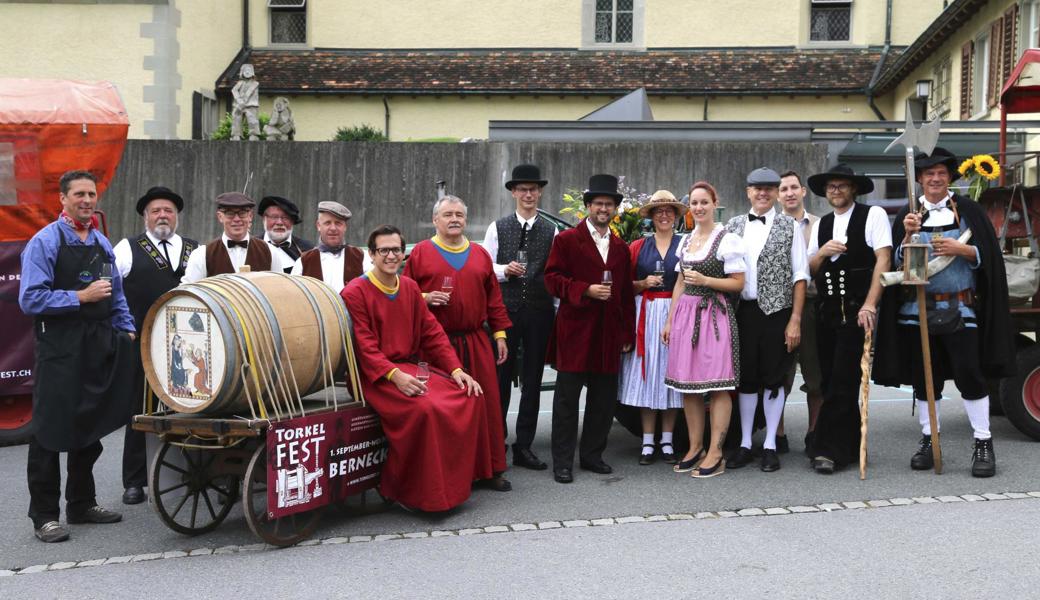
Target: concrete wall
x,y
395,182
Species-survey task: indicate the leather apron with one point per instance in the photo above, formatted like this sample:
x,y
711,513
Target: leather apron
x,y
84,367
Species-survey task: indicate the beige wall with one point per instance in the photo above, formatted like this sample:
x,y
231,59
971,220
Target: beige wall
x,y
210,36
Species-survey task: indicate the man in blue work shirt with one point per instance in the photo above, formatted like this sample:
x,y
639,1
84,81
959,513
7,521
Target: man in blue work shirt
x,y
84,370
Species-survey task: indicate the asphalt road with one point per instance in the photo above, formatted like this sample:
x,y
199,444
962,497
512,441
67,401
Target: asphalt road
x,y
785,555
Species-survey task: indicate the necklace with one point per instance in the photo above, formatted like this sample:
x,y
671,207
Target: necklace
x,y
697,241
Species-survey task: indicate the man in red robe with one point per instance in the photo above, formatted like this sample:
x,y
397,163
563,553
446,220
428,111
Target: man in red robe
x,y
462,308
433,427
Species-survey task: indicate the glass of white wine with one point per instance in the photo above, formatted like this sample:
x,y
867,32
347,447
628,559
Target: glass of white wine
x,y
422,372
106,272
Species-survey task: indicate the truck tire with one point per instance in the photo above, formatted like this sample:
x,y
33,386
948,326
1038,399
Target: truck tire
x,y
1020,395
15,419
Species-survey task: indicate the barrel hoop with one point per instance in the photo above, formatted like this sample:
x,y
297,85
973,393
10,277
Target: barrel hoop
x,y
324,367
230,382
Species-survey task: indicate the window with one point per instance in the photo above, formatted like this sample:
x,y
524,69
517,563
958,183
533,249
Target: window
x,y
980,74
288,21
941,85
612,23
205,115
1031,25
830,21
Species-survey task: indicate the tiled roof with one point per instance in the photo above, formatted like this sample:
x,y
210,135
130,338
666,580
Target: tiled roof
x,y
751,71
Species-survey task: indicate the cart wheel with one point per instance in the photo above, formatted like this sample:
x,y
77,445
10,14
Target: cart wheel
x,y
189,495
1020,394
282,531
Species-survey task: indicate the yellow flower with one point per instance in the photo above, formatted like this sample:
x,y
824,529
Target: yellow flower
x,y
617,219
614,229
986,166
633,211
966,166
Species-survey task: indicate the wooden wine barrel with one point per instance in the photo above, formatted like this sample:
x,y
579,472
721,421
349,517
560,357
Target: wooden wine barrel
x,y
219,345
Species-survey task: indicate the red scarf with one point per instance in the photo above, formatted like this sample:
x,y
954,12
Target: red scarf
x,y
73,223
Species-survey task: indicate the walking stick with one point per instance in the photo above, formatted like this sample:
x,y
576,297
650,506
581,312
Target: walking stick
x,y
864,410
915,260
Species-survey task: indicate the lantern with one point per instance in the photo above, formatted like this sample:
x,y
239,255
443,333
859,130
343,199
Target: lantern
x,y
915,261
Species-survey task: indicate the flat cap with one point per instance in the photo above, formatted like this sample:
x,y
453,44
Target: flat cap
x,y
763,176
334,208
234,200
283,203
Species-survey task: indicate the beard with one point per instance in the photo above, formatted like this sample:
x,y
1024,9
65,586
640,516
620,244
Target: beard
x,y
279,237
163,232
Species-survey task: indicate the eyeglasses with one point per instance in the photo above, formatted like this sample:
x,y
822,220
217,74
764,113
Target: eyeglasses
x,y
388,251
276,218
838,187
236,214
526,190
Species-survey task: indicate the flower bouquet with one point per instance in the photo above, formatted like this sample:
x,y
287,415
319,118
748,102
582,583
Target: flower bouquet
x,y
626,224
979,170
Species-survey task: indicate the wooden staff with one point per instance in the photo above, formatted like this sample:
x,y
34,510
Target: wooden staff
x,y
926,356
864,411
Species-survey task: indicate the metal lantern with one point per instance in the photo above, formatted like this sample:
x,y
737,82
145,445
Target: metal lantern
x,y
915,261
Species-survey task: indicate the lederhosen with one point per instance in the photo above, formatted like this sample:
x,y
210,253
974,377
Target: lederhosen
x,y
842,286
150,276
83,387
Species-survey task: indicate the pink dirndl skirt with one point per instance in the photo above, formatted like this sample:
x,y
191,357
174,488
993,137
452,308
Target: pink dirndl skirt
x,y
710,364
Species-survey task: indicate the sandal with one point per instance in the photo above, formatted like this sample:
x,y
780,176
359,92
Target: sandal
x,y
689,465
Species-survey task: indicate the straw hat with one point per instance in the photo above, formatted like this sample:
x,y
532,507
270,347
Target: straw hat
x,y
662,198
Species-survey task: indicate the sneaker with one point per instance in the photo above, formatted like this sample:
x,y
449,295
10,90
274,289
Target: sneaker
x,y
922,460
822,464
95,514
51,532
983,459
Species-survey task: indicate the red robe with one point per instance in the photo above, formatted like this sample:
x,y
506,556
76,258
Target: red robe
x,y
475,298
434,441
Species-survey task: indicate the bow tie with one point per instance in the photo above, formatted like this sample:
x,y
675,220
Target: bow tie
x,y
943,206
754,217
284,245
330,249
241,244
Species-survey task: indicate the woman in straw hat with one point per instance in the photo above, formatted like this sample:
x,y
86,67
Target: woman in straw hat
x,y
701,331
642,371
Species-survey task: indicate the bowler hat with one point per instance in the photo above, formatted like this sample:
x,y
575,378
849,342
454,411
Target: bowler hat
x,y
939,156
156,193
526,174
334,208
602,185
290,209
659,199
234,200
818,182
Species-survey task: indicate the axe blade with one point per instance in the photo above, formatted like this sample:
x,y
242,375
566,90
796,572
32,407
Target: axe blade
x,y
924,138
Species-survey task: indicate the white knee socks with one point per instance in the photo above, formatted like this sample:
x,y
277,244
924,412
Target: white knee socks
x,y
978,415
922,417
748,403
774,409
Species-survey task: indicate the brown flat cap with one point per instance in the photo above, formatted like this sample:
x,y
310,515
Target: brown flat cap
x,y
234,200
334,208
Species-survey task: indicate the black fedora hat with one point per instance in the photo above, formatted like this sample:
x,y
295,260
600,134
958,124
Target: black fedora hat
x,y
290,209
156,193
818,182
939,156
526,174
602,185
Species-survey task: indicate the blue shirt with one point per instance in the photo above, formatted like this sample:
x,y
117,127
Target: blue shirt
x,y
36,295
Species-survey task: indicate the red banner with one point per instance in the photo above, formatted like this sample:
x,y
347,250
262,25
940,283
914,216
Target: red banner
x,y
16,359
315,460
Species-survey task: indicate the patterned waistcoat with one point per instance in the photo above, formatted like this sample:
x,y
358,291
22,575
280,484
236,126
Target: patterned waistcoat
x,y
528,290
774,269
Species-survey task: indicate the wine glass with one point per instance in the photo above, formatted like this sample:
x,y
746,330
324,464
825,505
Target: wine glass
x,y
608,278
447,284
521,259
422,372
659,270
106,272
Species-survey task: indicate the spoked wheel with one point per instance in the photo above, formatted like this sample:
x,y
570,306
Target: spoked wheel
x,y
193,490
281,531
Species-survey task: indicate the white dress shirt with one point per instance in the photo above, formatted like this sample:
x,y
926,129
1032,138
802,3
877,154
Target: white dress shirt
x,y
196,268
332,268
878,232
125,257
602,241
490,242
755,235
285,258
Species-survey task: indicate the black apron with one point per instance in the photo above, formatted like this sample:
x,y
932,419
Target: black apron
x,y
84,367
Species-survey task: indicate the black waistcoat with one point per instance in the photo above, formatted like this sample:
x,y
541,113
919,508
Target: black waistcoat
x,y
150,275
847,279
529,290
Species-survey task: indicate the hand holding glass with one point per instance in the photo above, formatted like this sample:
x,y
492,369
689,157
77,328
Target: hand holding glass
x,y
422,373
106,272
447,284
521,259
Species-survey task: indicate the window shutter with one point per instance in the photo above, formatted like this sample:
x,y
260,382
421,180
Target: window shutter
x,y
993,79
966,52
1008,52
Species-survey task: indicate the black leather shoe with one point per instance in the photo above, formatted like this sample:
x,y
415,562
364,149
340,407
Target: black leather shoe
x,y
810,450
770,461
822,464
523,457
496,483
563,475
597,467
647,459
95,514
668,454
922,460
741,458
983,459
51,532
133,495
782,446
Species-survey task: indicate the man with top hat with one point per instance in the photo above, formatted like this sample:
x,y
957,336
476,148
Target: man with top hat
x,y
519,243
84,358
333,261
151,264
461,290
590,271
279,216
971,339
234,248
849,250
769,314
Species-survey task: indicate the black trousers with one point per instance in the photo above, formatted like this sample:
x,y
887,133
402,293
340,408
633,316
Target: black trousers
x,y
600,402
45,482
954,356
764,359
837,430
530,331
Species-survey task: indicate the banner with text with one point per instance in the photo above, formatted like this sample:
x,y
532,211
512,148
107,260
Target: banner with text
x,y
16,358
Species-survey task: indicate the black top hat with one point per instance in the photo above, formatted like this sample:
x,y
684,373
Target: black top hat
x,y
818,182
526,174
290,209
602,185
939,156
156,193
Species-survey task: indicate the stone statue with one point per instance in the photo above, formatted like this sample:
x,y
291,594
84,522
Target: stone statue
x,y
246,94
281,126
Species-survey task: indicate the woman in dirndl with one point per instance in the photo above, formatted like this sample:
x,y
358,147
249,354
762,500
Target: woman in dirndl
x,y
642,372
701,331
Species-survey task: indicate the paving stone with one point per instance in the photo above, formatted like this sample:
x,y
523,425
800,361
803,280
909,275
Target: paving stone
x,y
633,519
705,515
576,523
751,512
334,540
496,529
726,514
855,504
879,503
1016,495
61,566
831,506
547,525
33,569
599,522
995,496
656,518
360,538
97,562
310,542
226,550
523,526
444,533
680,517
973,498
201,552
925,500
416,535
901,501
1034,494
950,499
388,536
118,560
147,557
174,554
803,509
262,546
471,531
776,510
6,573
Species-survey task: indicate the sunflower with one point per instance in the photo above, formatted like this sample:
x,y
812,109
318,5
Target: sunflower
x,y
616,219
965,167
986,166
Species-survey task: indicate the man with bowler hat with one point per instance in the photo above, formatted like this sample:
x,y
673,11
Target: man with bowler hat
x,y
280,215
333,261
151,264
590,271
235,247
519,243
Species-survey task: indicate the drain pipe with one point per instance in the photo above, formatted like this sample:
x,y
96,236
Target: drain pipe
x,y
245,24
386,118
881,62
